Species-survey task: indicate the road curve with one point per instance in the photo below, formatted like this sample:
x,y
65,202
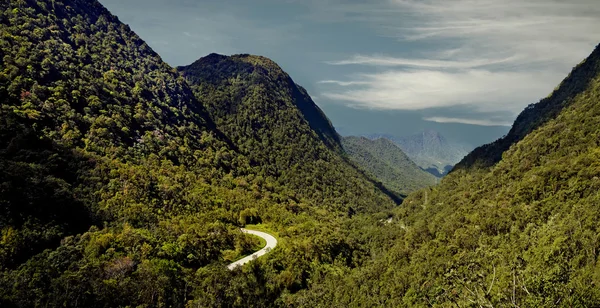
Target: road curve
x,y
271,243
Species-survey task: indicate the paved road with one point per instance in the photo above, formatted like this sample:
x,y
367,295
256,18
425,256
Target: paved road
x,y
271,243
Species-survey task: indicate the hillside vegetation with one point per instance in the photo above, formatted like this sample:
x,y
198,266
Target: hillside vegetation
x,y
520,232
275,123
387,163
118,188
123,186
429,150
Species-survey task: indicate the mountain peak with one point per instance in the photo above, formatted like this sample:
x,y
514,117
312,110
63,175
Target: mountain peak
x,y
246,68
386,161
242,72
432,132
213,57
257,60
428,149
432,136
238,61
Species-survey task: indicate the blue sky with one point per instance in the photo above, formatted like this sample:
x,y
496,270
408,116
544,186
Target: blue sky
x,y
465,68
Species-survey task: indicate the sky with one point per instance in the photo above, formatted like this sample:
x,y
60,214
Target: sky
x,y
465,68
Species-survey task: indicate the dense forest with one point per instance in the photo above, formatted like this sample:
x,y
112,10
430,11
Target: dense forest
x,y
124,183
275,123
519,231
386,162
119,189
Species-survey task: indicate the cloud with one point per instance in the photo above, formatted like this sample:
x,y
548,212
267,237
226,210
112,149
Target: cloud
x,y
343,83
487,54
424,63
467,121
534,31
417,89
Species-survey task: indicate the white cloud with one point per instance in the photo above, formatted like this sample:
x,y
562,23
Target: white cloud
x,y
489,54
483,90
343,83
467,121
424,63
534,31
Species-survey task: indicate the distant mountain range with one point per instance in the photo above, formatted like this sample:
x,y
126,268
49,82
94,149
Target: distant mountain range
x,y
386,162
429,150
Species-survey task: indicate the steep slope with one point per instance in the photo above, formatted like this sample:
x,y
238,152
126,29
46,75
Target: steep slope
x,y
430,151
242,72
104,151
386,162
536,115
39,203
118,189
89,82
522,232
75,77
275,123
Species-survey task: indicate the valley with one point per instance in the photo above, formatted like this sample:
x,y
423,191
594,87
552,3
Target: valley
x,y
430,151
385,161
129,182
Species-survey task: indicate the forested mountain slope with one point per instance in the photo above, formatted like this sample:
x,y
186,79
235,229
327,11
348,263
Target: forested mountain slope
x,y
243,72
119,190
276,124
429,150
386,162
520,233
89,88
104,151
536,115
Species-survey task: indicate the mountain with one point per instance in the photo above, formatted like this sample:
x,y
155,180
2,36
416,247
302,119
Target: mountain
x,y
113,172
386,161
120,187
104,110
277,125
517,227
536,115
212,73
123,186
429,150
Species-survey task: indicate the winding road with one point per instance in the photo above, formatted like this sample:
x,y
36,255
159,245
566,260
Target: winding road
x,y
271,243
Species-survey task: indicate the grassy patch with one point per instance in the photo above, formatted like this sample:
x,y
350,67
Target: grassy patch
x,y
260,244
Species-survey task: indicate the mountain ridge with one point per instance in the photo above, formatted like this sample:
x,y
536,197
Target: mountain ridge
x,y
254,102
429,150
386,161
536,114
521,231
